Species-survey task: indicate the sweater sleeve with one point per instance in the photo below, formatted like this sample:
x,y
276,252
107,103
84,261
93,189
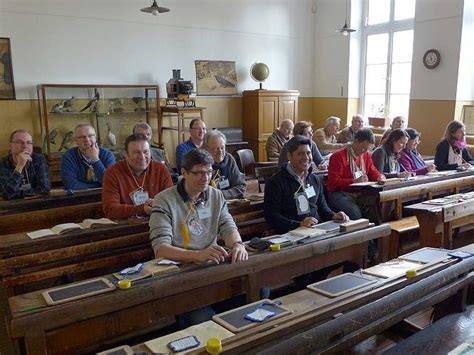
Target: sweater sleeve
x,y
180,151
111,202
372,172
378,159
42,184
70,174
317,157
441,157
107,159
336,179
323,209
466,156
161,224
236,181
272,149
10,182
322,142
272,207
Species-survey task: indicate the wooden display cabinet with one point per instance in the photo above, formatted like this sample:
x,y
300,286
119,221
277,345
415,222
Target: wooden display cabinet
x,y
263,112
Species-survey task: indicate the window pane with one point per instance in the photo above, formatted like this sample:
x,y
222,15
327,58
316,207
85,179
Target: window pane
x,y
401,76
402,46
404,9
374,106
377,46
399,105
376,79
379,11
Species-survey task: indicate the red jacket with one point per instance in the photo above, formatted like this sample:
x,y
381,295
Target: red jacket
x,y
118,183
339,171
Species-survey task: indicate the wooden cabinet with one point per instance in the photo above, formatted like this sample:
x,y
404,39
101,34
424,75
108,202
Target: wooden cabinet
x,y
263,112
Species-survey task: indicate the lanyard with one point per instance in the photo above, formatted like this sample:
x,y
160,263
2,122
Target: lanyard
x,y
139,187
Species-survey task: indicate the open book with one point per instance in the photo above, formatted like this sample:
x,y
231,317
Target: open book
x,y
66,227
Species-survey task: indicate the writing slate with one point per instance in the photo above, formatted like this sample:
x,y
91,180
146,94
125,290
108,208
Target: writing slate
x,y
77,291
426,255
235,321
339,285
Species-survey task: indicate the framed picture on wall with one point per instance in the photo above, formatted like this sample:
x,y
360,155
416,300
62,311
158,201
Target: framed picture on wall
x,y
468,118
215,77
7,87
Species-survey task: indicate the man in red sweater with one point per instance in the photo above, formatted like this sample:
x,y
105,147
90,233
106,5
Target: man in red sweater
x,y
129,186
350,165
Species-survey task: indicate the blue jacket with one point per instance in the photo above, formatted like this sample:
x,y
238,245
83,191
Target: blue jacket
x,y
74,170
11,180
182,149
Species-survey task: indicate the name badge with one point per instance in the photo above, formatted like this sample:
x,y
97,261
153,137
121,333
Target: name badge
x,y
358,174
139,197
223,184
204,213
25,187
309,191
302,203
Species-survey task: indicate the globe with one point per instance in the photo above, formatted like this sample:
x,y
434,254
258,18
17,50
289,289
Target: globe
x,y
259,72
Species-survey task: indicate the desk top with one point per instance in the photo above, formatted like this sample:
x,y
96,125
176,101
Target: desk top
x,y
46,202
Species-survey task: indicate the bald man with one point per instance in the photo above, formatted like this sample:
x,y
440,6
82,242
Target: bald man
x,y
348,133
278,138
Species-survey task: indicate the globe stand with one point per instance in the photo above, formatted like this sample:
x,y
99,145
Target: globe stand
x,y
261,86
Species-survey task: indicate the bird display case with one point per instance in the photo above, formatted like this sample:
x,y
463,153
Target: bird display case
x,y
112,110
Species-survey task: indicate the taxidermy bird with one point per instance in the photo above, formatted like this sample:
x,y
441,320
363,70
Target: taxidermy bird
x,y
67,140
52,135
224,82
116,105
110,136
92,104
137,99
67,104
57,108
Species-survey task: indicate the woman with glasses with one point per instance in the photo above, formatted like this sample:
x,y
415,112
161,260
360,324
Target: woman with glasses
x,y
226,175
22,172
410,159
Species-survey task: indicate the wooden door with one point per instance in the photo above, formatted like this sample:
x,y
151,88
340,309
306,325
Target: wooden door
x,y
287,108
268,115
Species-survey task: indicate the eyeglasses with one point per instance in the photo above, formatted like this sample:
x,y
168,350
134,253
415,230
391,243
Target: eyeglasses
x,y
201,173
86,137
22,142
200,129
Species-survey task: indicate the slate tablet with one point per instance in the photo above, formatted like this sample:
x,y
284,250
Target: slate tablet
x,y
426,255
341,284
63,294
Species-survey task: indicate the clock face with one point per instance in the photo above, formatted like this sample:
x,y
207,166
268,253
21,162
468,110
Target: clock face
x,y
431,59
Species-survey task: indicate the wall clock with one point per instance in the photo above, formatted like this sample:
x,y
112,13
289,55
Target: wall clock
x,y
432,58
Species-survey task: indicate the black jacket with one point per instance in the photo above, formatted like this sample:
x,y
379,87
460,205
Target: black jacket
x,y
280,205
441,156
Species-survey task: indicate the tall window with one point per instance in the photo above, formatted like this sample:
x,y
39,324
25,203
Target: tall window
x,y
388,44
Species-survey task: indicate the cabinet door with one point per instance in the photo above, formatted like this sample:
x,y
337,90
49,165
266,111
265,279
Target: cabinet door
x,y
287,109
268,115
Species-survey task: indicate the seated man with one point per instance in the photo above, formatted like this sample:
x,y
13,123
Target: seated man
x,y
326,138
303,128
349,165
83,167
348,133
294,197
188,218
130,185
226,175
23,172
278,138
197,132
157,154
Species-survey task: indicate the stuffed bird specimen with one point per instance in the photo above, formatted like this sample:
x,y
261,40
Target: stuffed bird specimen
x,y
111,136
66,142
92,104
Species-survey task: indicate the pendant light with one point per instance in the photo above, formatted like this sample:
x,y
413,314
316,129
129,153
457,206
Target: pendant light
x,y
154,9
345,30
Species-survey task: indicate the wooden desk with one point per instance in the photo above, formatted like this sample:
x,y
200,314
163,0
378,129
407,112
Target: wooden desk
x,y
117,314
422,187
437,222
44,212
181,114
313,326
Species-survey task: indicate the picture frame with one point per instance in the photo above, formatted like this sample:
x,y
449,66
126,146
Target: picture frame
x,y
215,78
468,118
7,86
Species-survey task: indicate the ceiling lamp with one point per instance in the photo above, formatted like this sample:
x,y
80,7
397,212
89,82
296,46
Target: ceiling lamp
x,y
154,9
345,30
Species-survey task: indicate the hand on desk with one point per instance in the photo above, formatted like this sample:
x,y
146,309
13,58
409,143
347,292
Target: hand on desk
x,y
405,174
431,167
214,253
309,222
340,216
148,206
238,253
362,178
382,177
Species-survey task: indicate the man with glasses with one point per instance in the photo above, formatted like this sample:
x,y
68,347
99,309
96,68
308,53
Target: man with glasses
x,y
198,130
187,219
23,173
348,133
83,167
130,185
226,175
278,138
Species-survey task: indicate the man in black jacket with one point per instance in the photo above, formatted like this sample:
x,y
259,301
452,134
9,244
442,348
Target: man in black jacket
x,y
294,196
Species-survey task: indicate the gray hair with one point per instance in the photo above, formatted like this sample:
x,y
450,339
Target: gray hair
x,y
142,125
212,134
332,120
80,125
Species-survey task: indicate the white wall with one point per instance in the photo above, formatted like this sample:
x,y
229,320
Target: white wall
x,y
465,90
438,25
112,42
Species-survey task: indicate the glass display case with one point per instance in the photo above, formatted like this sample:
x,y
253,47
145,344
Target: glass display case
x,y
112,110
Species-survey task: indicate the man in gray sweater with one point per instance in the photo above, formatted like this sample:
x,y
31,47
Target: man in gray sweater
x,y
187,219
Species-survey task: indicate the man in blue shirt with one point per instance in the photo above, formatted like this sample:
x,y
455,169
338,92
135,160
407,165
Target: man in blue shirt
x,y
197,131
83,167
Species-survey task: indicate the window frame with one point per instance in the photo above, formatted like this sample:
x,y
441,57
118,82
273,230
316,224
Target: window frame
x,y
389,27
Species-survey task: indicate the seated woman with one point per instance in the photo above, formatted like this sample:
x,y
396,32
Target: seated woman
x,y
410,159
452,152
397,123
386,157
